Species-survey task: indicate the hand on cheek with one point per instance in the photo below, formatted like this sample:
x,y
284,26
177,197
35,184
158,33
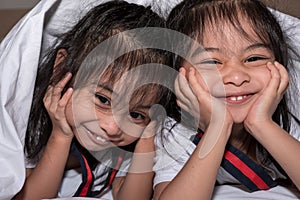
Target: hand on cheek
x,y
56,104
266,104
194,97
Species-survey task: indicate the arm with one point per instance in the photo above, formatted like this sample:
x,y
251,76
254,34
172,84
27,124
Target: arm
x,y
44,180
137,184
197,178
282,146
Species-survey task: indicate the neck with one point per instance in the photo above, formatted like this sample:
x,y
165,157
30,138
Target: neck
x,y
242,140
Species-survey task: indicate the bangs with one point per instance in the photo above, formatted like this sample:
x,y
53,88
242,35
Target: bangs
x,y
214,15
196,17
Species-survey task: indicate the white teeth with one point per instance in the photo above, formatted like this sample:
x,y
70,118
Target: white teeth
x,y
233,98
238,98
99,138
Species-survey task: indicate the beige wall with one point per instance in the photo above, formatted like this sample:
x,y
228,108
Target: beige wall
x,y
291,7
8,17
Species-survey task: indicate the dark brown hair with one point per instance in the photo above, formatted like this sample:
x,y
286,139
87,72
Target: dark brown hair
x,y
97,26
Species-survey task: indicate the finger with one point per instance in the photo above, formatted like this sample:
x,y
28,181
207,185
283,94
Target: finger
x,y
47,97
183,105
58,88
150,129
186,95
61,106
196,84
66,97
61,84
284,82
178,87
275,79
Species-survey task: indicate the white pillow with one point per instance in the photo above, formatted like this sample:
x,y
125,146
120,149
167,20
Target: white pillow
x,y
19,55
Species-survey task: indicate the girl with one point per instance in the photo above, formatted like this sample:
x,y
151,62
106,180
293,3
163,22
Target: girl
x,y
234,86
97,85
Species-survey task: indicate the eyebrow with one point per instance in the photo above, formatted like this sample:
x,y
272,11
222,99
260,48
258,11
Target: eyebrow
x,y
107,88
251,47
142,106
212,49
256,46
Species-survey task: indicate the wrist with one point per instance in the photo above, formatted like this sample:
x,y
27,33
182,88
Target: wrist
x,y
257,129
58,137
145,145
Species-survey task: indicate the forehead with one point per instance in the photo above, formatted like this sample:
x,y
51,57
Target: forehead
x,y
226,34
131,91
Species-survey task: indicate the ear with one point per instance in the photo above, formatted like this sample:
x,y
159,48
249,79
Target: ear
x,y
60,57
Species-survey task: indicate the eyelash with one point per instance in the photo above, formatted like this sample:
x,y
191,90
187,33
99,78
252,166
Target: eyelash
x,y
251,59
255,58
137,116
211,62
103,100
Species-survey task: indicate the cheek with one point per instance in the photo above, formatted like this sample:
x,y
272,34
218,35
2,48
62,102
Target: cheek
x,y
262,77
79,111
213,81
265,77
69,114
129,140
131,129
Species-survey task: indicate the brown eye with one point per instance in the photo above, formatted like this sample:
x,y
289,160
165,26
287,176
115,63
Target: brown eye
x,y
103,99
255,58
211,62
137,116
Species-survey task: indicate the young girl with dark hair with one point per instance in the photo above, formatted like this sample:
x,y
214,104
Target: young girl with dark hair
x,y
99,84
233,82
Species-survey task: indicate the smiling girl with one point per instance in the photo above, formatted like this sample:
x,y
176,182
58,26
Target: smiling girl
x,y
234,84
100,84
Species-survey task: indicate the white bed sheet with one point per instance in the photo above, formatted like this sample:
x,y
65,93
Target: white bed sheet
x,y
229,192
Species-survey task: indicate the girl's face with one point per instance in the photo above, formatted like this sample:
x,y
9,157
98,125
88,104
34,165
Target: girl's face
x,y
101,117
234,68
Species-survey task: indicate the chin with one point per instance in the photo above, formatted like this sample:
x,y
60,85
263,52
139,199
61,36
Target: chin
x,y
238,121
238,118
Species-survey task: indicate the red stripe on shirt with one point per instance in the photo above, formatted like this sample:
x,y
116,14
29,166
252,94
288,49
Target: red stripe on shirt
x,y
89,177
248,172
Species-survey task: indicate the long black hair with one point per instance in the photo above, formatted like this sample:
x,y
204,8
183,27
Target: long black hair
x,y
99,24
193,17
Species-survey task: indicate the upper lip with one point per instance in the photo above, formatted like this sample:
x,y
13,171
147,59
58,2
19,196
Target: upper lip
x,y
117,139
235,94
94,133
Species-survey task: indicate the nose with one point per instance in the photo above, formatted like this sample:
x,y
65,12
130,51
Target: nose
x,y
235,74
110,126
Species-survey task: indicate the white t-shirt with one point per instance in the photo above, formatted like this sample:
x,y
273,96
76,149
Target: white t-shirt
x,y
73,178
173,149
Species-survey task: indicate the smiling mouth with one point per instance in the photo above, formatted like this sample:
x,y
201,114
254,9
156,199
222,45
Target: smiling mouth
x,y
101,139
238,99
98,137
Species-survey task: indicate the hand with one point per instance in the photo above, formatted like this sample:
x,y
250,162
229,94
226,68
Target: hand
x,y
146,143
195,99
56,105
266,104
